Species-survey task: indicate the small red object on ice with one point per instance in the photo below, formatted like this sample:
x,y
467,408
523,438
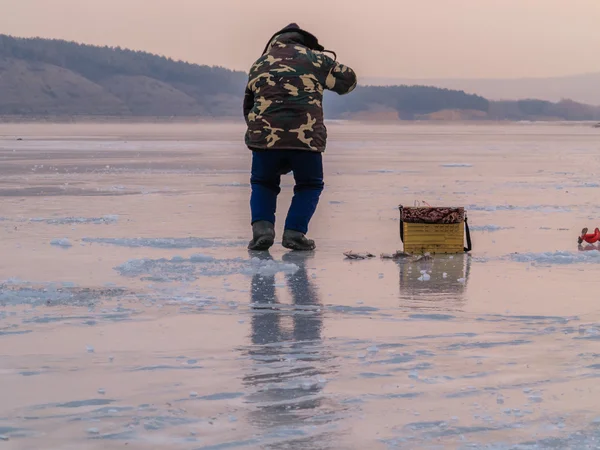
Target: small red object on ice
x,y
591,238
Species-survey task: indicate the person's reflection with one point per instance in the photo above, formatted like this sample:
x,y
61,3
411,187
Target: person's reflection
x,y
438,283
288,368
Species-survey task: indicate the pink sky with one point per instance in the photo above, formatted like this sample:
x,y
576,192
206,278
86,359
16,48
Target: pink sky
x,y
389,38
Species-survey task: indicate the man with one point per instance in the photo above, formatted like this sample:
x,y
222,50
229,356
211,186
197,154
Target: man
x,y
284,113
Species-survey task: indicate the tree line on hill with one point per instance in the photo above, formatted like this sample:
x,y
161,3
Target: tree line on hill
x,y
33,73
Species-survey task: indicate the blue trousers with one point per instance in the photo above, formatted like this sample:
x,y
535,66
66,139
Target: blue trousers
x,y
267,168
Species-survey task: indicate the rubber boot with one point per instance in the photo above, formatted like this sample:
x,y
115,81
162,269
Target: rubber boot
x,y
294,240
263,236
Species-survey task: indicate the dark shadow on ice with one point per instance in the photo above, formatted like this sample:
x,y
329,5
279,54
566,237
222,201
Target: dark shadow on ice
x,y
288,361
434,284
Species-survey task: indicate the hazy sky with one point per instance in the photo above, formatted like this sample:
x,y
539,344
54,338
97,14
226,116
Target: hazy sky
x,y
390,38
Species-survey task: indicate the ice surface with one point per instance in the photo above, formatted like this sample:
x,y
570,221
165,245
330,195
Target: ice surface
x,y
198,257
244,185
387,171
259,338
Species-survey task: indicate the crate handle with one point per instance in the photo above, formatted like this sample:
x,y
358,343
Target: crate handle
x,y
401,224
468,236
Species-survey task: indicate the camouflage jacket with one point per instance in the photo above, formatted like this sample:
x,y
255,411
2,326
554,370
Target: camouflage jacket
x,y
283,100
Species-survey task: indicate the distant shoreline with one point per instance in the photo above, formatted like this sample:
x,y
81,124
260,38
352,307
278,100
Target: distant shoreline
x,y
112,120
51,119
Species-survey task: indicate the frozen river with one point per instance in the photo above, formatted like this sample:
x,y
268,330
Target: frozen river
x,y
132,314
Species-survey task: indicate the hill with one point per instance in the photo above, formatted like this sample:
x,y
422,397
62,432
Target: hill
x,y
404,103
431,103
580,88
54,78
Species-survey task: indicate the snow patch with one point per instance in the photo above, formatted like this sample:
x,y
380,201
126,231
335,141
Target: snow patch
x,y
488,228
388,171
63,242
78,220
245,185
538,208
181,269
559,257
167,243
456,165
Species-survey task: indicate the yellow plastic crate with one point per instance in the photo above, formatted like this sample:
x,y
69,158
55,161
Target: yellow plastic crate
x,y
433,238
434,230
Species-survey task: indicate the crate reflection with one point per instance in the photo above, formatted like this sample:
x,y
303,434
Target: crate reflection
x,y
437,283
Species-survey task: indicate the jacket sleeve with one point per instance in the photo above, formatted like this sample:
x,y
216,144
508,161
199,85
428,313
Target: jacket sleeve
x,y
248,102
341,79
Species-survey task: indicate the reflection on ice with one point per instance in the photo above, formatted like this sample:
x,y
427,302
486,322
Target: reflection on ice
x,y
290,364
445,286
